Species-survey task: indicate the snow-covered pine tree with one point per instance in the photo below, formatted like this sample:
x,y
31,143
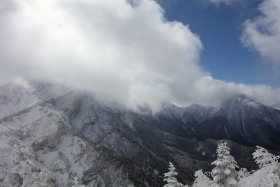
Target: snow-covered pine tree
x,y
264,159
170,177
224,173
242,173
201,180
76,183
269,172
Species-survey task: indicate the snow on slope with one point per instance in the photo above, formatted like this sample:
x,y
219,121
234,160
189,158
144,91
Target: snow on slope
x,y
38,147
49,135
14,98
244,120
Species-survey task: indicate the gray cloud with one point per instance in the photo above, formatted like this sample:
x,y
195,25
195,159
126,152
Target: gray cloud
x,y
120,50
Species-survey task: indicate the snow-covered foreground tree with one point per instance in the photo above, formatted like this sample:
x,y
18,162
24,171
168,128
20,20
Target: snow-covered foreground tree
x,y
265,159
201,180
170,177
76,183
224,173
269,173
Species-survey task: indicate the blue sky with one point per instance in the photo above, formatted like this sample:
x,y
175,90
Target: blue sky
x,y
220,29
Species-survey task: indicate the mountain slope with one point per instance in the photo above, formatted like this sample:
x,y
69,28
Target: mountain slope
x,y
243,120
38,148
64,133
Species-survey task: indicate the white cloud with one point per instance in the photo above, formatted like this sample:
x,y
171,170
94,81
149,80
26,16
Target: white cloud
x,y
223,2
263,32
120,50
212,91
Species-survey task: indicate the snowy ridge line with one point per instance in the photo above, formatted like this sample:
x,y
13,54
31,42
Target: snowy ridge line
x,y
24,110
208,119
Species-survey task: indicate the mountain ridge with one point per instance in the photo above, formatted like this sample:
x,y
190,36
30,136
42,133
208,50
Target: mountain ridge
x,y
133,148
237,115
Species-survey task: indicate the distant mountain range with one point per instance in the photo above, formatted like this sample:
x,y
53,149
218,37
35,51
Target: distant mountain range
x,y
58,133
239,119
243,120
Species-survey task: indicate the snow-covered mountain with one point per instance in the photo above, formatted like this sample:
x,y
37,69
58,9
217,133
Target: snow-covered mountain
x,y
243,120
38,146
51,134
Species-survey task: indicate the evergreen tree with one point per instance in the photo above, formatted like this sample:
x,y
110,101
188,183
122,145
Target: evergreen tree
x,y
170,177
76,183
265,159
201,180
224,173
242,173
269,173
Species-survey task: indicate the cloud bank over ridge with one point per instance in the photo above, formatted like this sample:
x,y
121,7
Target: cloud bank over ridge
x,y
124,51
